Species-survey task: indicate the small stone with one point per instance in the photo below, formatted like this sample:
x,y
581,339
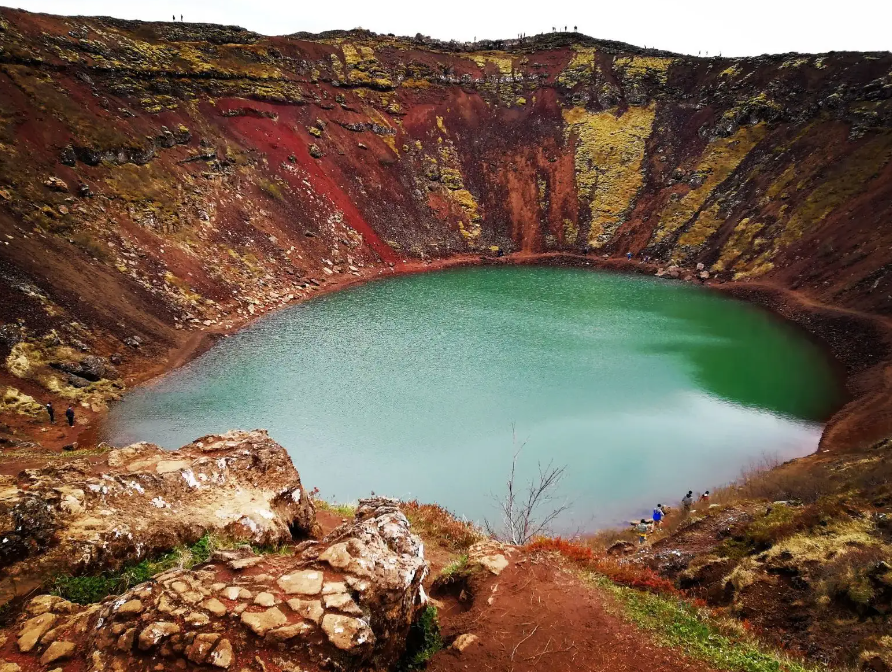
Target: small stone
x,y
306,582
131,607
239,608
493,563
165,606
196,619
231,592
217,587
9,667
261,622
287,632
57,651
201,646
337,556
180,586
192,596
245,594
44,603
56,184
215,606
342,602
50,636
245,563
222,655
262,578
345,632
462,642
154,633
33,629
169,466
125,641
265,599
333,587
309,609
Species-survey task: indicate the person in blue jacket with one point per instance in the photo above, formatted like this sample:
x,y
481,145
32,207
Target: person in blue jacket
x,y
658,515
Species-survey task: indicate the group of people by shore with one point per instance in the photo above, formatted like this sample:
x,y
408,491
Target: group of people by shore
x,y
645,527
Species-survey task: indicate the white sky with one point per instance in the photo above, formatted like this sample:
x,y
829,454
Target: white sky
x,y
738,28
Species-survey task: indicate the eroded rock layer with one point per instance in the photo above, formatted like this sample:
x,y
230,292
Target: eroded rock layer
x,y
345,603
142,500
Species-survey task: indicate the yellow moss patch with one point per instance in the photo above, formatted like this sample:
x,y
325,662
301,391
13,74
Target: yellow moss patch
x,y
502,62
848,178
640,67
731,71
440,124
740,240
608,159
706,224
571,232
720,158
14,401
23,359
581,67
820,545
779,186
470,230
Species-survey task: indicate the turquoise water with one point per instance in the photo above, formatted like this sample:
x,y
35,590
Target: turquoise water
x,y
409,387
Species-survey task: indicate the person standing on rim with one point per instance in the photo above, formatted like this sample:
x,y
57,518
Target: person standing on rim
x,y
70,415
687,501
51,411
658,516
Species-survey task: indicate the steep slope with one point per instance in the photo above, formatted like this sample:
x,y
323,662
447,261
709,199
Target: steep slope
x,y
157,180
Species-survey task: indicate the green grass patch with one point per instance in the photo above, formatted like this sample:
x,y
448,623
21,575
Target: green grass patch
x,y
423,641
455,568
343,510
722,643
87,589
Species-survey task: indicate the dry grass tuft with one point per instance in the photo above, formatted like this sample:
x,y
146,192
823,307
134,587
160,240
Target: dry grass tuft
x,y
436,524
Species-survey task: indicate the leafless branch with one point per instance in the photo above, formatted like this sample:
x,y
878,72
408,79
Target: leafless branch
x,y
521,514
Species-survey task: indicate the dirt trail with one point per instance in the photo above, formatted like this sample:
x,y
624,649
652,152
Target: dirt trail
x,y
544,617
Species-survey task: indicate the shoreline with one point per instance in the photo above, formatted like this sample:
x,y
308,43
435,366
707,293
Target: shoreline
x,y
858,345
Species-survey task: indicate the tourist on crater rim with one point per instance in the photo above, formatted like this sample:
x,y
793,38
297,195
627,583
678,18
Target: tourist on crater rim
x,y
658,515
51,411
642,529
70,415
688,500
705,496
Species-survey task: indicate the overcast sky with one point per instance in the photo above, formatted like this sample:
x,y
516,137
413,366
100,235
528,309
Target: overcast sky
x,y
741,28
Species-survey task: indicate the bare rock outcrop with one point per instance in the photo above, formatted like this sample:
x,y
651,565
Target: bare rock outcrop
x,y
142,499
345,603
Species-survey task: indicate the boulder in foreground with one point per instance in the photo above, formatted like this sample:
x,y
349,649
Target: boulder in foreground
x,y
345,603
143,500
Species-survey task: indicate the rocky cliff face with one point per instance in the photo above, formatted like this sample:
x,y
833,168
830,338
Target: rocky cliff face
x,y
344,603
157,179
141,501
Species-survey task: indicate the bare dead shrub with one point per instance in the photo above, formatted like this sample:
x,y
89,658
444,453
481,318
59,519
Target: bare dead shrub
x,y
527,514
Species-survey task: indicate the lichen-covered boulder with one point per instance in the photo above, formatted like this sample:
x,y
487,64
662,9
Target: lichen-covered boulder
x,y
345,603
142,500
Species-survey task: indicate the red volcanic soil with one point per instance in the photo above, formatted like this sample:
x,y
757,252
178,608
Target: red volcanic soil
x,y
537,615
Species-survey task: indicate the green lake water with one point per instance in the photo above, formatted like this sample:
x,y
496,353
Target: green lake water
x,y
643,389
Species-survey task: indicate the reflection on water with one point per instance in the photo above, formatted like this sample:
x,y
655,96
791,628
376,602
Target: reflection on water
x,y
409,387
